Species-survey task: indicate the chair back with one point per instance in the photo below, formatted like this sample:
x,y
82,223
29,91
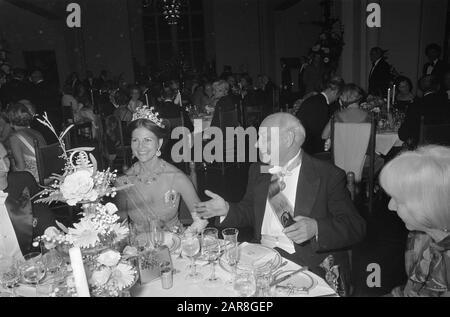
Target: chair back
x,y
48,160
229,118
434,133
350,143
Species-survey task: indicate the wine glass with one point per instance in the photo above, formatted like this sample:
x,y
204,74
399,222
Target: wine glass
x,y
190,246
211,252
156,234
33,268
232,252
245,283
9,275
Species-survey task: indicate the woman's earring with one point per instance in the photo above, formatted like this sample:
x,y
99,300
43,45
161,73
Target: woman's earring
x,y
158,153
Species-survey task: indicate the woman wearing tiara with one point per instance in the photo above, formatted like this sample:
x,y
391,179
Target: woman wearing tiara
x,y
156,186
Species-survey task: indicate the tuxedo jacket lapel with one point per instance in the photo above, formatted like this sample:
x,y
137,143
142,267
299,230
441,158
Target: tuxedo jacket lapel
x,y
307,188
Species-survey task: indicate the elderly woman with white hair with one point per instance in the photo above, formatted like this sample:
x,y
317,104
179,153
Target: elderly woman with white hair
x,y
419,184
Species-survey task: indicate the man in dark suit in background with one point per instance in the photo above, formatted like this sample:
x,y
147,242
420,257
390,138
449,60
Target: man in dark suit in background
x,y
314,114
380,73
313,192
45,98
433,106
435,66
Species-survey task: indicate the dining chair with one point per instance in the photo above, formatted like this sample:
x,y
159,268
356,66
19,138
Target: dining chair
x,y
48,162
351,145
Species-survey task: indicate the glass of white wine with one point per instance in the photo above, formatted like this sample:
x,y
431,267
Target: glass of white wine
x,y
190,246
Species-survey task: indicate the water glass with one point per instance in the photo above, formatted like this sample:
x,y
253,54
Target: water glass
x,y
230,235
264,278
245,283
33,268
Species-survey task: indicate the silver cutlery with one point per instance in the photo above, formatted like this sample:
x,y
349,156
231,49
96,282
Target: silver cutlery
x,y
284,278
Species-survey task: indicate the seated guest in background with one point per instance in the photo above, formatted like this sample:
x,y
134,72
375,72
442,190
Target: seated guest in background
x,y
418,183
203,97
432,106
122,112
82,110
89,81
435,66
223,101
134,103
314,114
5,128
311,191
350,100
169,110
404,97
380,73
22,140
157,185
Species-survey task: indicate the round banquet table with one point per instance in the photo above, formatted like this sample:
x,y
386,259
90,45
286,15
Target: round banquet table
x,y
385,141
183,288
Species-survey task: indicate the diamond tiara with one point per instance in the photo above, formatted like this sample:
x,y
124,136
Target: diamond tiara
x,y
145,112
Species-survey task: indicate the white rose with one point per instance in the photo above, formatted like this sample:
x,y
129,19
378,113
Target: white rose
x,y
100,277
77,186
111,208
109,258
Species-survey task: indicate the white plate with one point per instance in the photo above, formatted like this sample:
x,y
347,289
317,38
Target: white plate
x,y
300,283
254,255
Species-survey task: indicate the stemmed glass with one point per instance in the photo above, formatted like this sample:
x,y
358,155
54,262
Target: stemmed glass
x,y
190,246
211,251
9,274
156,234
230,235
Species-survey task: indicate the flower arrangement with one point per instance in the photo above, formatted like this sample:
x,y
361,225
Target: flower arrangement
x,y
110,273
98,228
375,104
329,45
81,182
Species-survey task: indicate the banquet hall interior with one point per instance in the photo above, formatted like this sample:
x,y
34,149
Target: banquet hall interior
x,y
379,67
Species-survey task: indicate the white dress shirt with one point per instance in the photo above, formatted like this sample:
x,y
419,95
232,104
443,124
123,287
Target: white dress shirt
x,y
430,67
272,231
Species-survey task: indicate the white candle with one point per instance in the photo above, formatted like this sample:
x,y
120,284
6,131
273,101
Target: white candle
x,y
76,261
146,99
393,95
389,99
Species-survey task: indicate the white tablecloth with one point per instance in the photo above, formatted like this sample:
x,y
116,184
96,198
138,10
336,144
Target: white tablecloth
x,y
386,141
9,246
183,288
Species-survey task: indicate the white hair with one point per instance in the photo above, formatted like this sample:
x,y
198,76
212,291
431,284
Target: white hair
x,y
420,179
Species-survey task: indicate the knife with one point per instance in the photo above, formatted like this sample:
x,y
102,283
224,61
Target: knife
x,y
284,278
